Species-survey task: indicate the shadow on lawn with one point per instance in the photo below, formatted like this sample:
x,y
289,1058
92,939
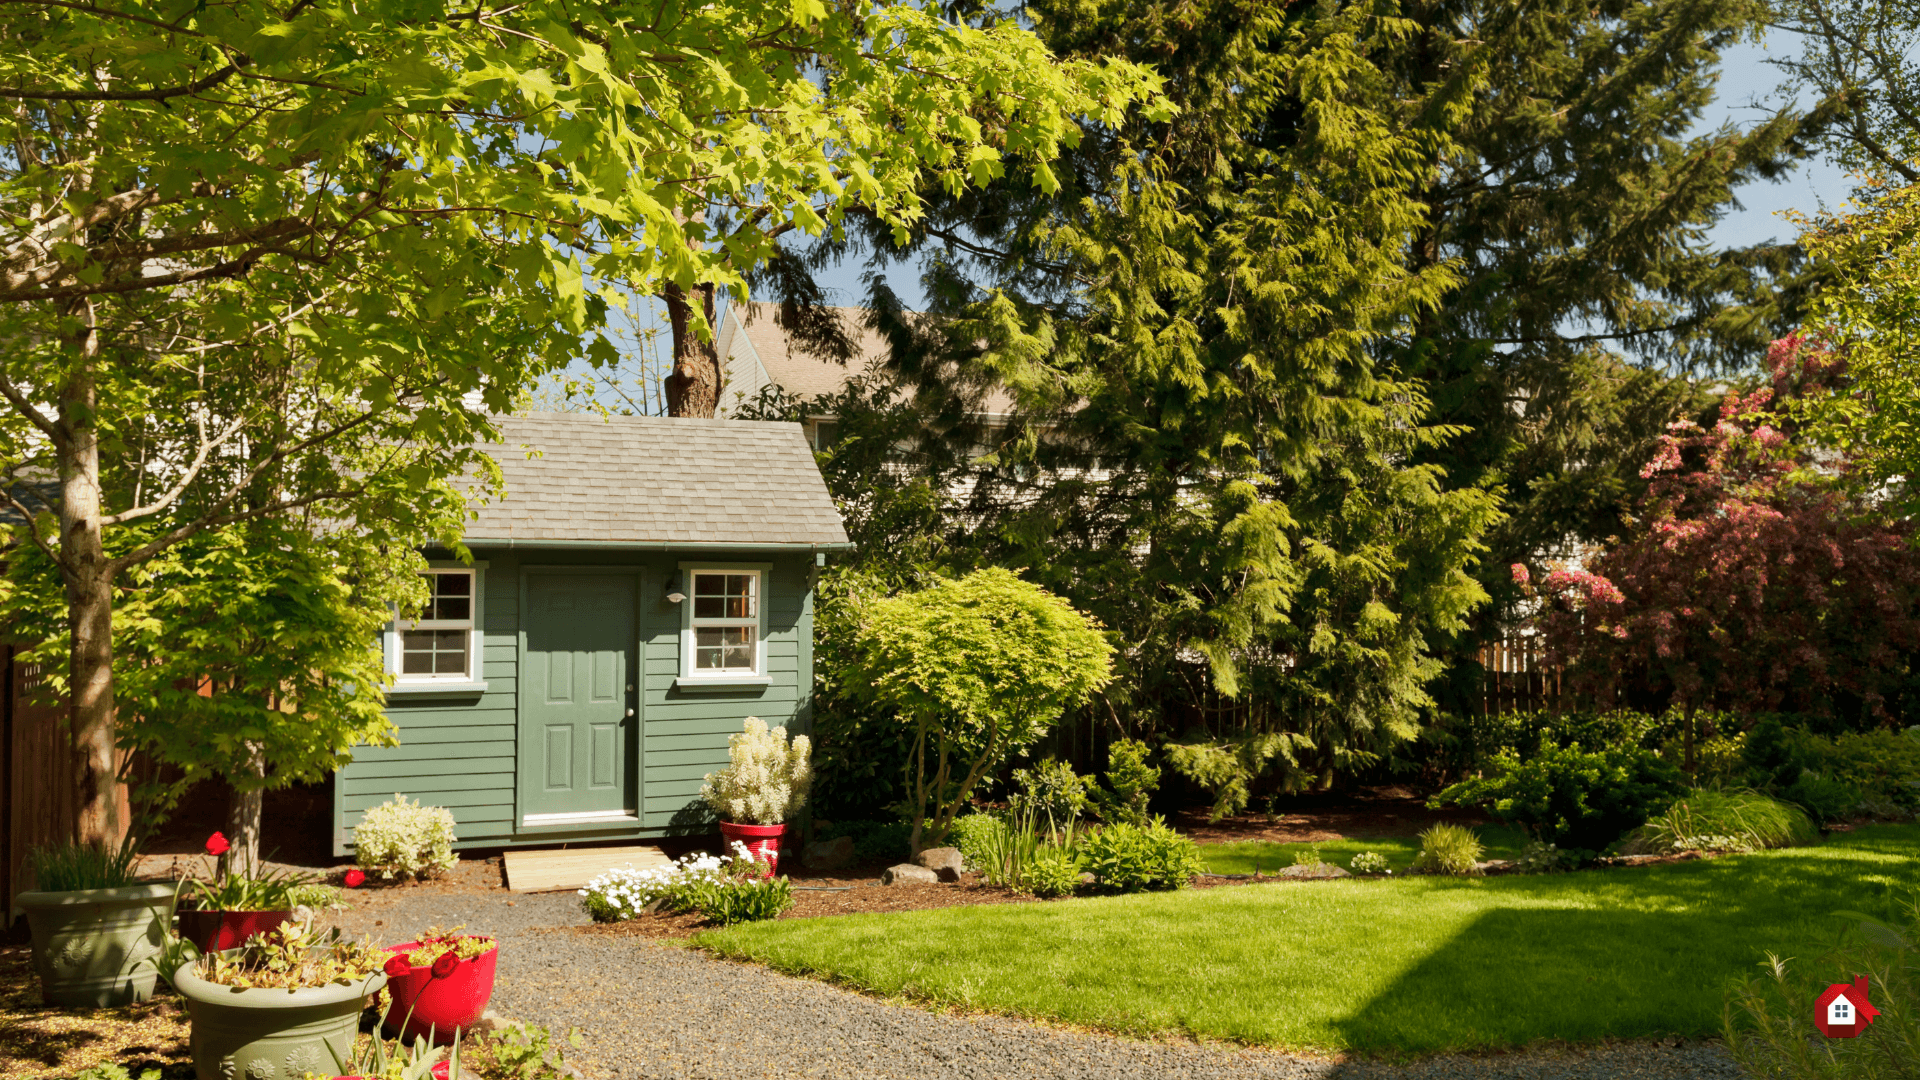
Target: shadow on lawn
x,y
1635,953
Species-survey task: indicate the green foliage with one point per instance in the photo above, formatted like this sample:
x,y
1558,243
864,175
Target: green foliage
x,y
1825,799
734,899
1130,783
1309,856
972,833
1053,871
1769,1027
1579,800
74,867
111,1070
1448,849
1052,790
1542,858
874,841
1007,847
980,668
1834,777
1369,862
527,1052
1229,769
1129,858
1750,819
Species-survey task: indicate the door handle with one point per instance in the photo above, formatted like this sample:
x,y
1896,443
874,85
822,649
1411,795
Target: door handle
x,y
629,712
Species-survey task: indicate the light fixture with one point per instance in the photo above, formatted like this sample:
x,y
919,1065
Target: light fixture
x,y
675,594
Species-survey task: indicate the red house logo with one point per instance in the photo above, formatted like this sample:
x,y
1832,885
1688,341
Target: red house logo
x,y
1842,1011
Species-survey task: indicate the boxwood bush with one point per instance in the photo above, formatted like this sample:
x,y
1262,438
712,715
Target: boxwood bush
x,y
1579,800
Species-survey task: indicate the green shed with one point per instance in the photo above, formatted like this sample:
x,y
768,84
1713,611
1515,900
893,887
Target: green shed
x,y
645,585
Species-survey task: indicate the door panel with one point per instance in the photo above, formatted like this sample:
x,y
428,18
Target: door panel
x,y
578,664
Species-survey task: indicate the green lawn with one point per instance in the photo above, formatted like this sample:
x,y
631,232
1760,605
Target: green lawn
x,y
1387,966
1246,856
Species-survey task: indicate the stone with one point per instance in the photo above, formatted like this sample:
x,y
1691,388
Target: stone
x,y
908,874
946,862
828,854
1313,872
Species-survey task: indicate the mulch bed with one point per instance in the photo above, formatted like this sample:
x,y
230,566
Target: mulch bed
x,y
39,1041
1313,819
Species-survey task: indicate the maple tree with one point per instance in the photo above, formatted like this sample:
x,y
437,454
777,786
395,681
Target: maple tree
x,y
1757,577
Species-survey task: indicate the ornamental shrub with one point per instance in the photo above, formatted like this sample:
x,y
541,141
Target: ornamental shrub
x,y
1129,858
1714,819
1053,871
1052,791
726,890
972,835
1370,862
766,780
404,839
1448,849
1541,858
1578,800
1130,784
1826,799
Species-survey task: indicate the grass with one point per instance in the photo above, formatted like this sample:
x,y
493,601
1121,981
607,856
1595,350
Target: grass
x,y
1244,857
1387,966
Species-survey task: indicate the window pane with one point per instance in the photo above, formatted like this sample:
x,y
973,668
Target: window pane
x,y
433,652
724,596
452,596
708,607
723,648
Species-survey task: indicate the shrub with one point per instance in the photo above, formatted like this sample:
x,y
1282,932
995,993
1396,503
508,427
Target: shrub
x,y
766,779
726,890
1130,784
971,834
1129,858
1053,791
74,867
1448,849
1053,871
1769,1029
1370,862
1579,800
1827,800
1711,819
1007,848
1541,858
1309,857
405,839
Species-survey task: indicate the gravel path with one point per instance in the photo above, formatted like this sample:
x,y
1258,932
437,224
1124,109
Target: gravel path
x,y
654,1011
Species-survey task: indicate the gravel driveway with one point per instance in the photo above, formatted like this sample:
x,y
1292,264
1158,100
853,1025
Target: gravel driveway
x,y
648,1010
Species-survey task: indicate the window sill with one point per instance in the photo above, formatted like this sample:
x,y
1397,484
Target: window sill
x,y
450,686
695,684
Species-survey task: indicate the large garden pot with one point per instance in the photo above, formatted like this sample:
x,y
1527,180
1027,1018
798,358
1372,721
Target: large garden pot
x,y
271,1034
93,948
218,931
439,1007
762,840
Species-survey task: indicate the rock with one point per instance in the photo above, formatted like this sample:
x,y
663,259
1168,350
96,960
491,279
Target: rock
x,y
1313,872
908,874
828,854
654,906
491,1021
943,861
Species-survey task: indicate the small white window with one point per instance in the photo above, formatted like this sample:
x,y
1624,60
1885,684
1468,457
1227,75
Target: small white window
x,y
726,622
439,644
1840,1012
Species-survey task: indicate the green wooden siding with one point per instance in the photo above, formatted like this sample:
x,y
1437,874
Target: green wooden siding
x,y
463,752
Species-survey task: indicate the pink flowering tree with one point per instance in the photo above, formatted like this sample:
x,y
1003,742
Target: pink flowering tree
x,y
1755,578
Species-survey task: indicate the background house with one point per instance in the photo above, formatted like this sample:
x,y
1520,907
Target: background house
x,y
646,585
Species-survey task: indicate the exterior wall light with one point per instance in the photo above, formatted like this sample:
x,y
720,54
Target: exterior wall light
x,y
675,594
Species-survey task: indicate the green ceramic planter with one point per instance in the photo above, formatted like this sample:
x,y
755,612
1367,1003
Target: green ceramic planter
x,y
271,1034
92,948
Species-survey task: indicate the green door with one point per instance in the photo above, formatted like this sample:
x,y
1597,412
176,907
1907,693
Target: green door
x,y
578,702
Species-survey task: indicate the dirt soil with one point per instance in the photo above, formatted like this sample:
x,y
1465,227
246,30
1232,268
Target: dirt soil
x,y
39,1041
1316,818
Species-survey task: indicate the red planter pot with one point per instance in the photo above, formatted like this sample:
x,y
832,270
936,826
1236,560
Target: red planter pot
x,y
440,1006
218,931
762,840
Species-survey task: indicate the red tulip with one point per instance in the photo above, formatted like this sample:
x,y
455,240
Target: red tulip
x,y
398,965
355,878
217,844
444,966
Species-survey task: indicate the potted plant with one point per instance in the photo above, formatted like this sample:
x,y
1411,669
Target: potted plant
x,y
763,785
284,1004
94,927
225,909
446,987
421,1061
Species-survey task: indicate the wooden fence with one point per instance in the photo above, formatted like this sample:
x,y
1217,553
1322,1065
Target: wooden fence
x,y
1517,678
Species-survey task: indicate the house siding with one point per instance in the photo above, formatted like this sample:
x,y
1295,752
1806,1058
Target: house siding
x,y
464,753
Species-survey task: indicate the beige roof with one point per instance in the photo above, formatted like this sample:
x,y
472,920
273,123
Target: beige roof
x,y
657,480
803,374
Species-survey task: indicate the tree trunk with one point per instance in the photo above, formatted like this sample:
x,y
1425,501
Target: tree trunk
x,y
693,389
89,584
243,810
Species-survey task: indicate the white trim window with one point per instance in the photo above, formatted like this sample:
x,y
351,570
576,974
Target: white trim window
x,y
440,645
726,610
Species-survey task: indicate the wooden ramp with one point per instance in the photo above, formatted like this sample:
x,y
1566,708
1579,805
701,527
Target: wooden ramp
x,y
555,869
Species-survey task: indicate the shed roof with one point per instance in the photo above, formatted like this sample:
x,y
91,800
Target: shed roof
x,y
651,480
